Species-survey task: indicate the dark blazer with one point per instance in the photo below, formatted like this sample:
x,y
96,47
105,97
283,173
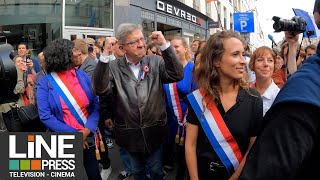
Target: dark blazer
x,y
140,118
88,66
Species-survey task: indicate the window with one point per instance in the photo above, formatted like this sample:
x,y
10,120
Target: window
x,y
196,5
231,21
225,17
34,22
208,9
94,13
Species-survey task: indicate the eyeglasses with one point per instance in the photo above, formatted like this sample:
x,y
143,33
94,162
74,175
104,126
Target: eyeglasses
x,y
154,52
135,42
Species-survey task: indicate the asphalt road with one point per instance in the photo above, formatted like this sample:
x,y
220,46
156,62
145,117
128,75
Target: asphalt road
x,y
114,156
117,166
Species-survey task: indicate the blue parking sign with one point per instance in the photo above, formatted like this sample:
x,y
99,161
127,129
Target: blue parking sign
x,y
243,22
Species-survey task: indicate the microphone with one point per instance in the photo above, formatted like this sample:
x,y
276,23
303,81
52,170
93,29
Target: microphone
x,y
271,38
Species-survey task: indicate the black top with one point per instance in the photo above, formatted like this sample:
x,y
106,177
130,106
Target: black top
x,y
243,119
288,147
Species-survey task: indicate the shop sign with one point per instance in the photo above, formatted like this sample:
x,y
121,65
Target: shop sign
x,y
168,8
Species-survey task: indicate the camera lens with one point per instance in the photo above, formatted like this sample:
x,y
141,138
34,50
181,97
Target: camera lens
x,y
296,24
8,75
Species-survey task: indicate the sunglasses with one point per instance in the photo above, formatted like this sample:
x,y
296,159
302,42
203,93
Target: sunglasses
x,y
154,52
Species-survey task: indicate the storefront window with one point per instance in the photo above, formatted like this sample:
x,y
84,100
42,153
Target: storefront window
x,y
93,13
148,28
35,22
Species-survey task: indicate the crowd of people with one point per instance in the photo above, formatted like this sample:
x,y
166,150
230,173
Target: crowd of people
x,y
210,110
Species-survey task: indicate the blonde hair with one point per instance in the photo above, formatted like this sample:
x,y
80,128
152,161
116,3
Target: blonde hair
x,y
81,45
185,44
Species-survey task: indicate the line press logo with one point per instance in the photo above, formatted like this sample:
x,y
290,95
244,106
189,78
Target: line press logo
x,y
42,155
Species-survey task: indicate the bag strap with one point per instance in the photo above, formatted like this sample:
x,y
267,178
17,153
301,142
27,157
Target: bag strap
x,y
216,130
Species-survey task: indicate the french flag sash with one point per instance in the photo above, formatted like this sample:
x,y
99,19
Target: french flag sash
x,y
216,130
174,101
69,96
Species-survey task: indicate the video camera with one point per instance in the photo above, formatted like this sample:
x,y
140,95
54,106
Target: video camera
x,y
8,75
296,24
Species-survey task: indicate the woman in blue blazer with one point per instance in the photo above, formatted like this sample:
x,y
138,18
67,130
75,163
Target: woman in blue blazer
x,y
66,102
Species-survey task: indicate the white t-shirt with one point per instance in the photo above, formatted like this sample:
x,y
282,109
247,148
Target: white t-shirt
x,y
269,96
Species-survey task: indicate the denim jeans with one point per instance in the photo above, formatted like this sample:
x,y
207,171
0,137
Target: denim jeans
x,y
124,155
143,162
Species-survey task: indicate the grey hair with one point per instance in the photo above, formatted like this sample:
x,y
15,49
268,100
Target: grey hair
x,y
124,29
15,58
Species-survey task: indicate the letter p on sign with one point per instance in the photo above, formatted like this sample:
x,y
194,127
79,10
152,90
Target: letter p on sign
x,y
243,24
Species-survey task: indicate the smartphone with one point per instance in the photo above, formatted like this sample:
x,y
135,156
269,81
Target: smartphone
x,y
27,57
90,49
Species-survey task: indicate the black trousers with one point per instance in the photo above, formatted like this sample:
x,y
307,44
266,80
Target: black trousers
x,y
173,152
105,161
12,121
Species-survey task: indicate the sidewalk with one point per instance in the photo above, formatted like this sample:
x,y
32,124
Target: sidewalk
x,y
117,166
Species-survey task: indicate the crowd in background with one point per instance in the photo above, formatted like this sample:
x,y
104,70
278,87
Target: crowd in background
x,y
151,96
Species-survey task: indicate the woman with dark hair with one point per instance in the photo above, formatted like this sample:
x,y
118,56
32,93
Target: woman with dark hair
x,y
152,49
224,116
66,102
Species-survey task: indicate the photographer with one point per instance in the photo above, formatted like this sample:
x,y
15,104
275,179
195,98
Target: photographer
x,y
289,145
293,45
9,111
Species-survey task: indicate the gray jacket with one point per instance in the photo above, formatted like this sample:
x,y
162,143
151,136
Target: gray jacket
x,y
140,114
88,66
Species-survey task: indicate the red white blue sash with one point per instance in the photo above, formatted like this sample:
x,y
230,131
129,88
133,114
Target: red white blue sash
x,y
174,101
69,96
216,130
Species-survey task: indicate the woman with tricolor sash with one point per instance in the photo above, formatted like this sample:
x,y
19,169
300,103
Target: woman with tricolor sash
x,y
224,116
66,102
177,110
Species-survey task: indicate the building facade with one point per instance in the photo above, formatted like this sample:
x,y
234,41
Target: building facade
x,y
173,18
221,12
38,22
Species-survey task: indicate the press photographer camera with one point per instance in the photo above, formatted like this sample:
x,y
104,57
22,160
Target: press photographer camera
x,y
8,75
296,24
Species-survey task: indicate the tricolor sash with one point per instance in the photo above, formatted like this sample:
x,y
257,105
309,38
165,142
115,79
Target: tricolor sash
x,y
69,96
75,105
216,130
174,100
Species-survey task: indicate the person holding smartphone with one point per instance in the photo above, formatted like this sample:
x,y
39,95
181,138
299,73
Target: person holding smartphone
x,y
32,64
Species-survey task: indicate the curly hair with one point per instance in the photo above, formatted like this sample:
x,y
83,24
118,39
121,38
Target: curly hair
x,y
58,55
207,76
